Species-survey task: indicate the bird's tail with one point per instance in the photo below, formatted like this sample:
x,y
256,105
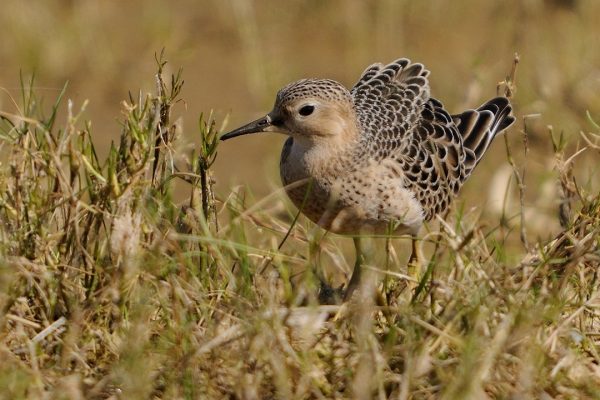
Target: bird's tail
x,y
479,127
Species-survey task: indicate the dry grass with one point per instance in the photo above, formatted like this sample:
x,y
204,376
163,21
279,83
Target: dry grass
x,y
109,289
123,274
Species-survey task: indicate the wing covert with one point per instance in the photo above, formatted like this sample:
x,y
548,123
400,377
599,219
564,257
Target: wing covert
x,y
399,120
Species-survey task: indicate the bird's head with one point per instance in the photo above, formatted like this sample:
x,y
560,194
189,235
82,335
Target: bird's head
x,y
311,110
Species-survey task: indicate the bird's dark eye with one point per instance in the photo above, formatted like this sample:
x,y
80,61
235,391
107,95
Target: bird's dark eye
x,y
306,110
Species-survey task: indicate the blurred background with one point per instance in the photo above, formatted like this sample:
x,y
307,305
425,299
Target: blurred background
x,y
236,54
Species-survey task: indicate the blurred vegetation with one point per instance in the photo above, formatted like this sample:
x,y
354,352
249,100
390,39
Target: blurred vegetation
x,y
133,267
237,53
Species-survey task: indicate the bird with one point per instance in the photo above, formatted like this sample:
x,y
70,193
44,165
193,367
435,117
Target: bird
x,y
382,157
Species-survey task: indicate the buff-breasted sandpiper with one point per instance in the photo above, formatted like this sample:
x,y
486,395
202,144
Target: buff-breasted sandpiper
x,y
381,156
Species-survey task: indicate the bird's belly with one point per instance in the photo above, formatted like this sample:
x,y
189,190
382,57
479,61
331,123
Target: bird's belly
x,y
370,201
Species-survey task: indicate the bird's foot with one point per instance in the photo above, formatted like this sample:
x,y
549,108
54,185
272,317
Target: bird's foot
x,y
329,295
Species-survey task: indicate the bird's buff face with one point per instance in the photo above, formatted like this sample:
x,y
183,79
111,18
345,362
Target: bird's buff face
x,y
307,118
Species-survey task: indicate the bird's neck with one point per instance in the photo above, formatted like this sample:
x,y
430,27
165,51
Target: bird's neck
x,y
322,160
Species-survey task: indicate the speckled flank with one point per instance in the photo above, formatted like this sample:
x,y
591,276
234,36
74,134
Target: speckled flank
x,y
383,153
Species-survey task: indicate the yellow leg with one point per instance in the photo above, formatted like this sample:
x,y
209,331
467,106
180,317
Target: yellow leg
x,y
354,282
415,261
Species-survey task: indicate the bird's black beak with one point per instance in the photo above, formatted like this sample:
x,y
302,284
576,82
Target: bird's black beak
x,y
253,127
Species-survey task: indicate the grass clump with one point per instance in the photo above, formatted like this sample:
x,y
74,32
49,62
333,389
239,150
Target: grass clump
x,y
109,288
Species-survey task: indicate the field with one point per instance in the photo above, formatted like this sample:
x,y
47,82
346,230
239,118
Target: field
x,y
141,258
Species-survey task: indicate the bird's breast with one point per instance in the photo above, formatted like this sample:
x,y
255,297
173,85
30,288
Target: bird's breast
x,y
349,196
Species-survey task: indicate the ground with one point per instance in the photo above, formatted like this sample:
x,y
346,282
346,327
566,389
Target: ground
x,y
127,273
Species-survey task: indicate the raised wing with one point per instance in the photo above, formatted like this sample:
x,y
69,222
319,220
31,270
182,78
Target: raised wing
x,y
388,101
399,120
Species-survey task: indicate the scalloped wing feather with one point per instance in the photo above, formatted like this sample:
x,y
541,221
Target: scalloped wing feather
x,y
436,151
